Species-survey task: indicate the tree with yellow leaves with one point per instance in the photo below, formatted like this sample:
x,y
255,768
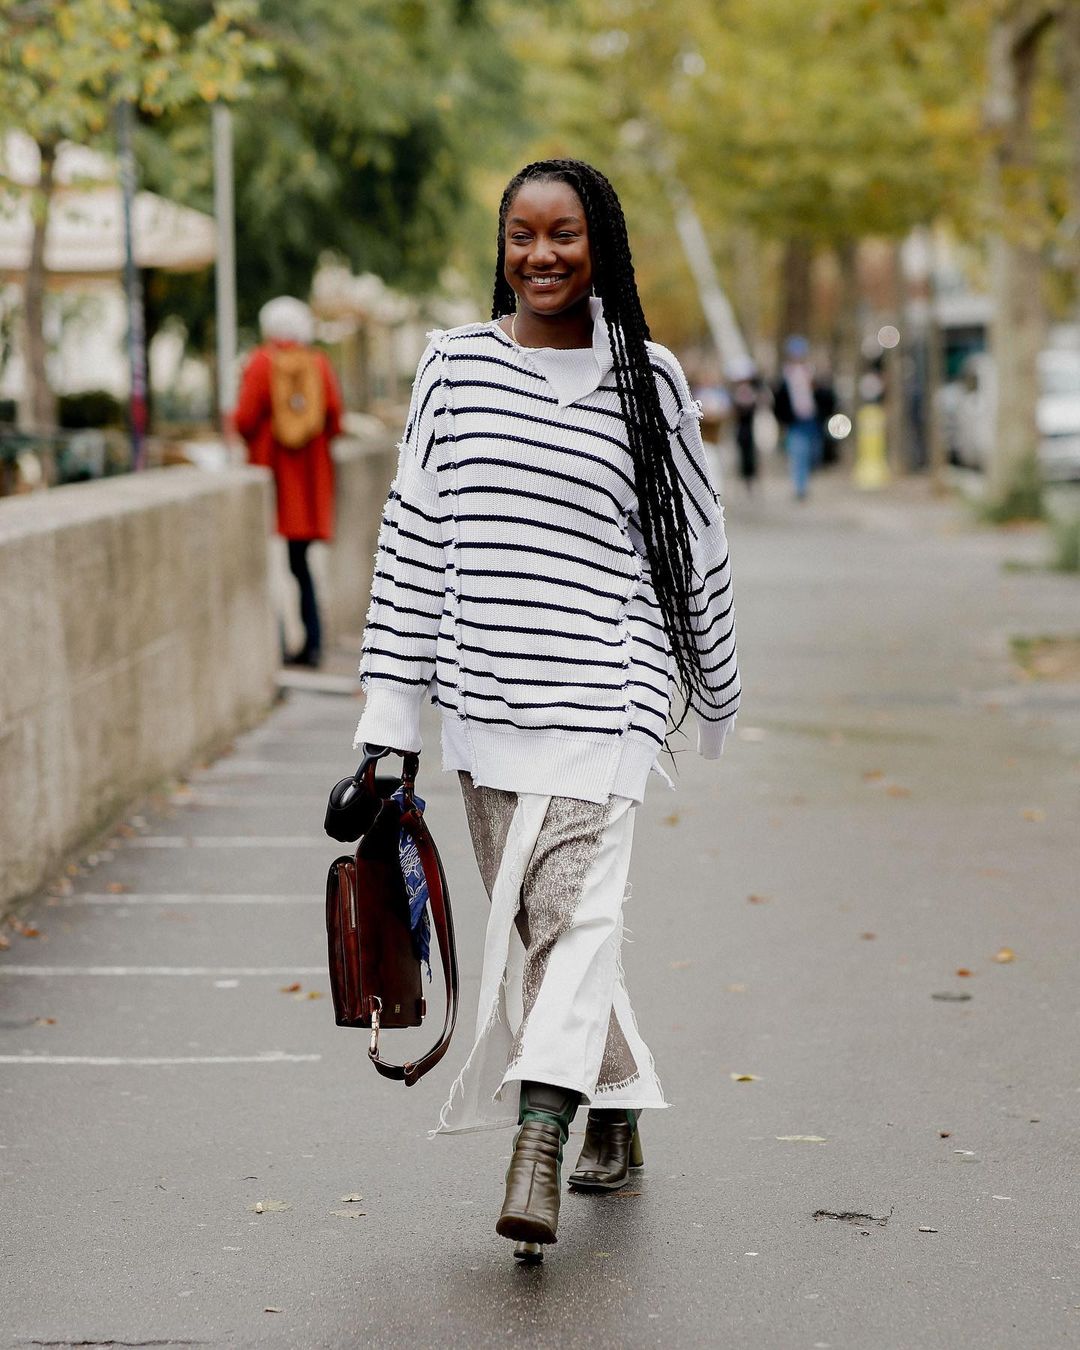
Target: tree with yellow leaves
x,y
65,67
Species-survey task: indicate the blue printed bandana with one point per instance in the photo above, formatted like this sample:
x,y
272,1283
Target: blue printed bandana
x,y
416,887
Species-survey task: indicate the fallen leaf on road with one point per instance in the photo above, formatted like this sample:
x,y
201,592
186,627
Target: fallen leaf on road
x,y
44,1021
26,930
757,899
963,971
991,871
744,1078
348,1213
290,988
873,776
623,1195
673,819
895,790
1005,955
735,988
1033,813
800,1139
679,965
351,1199
268,1206
5,943
314,993
115,888
945,1134
868,937
950,996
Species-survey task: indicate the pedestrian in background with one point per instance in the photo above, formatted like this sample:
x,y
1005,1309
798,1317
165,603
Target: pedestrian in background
x,y
745,389
796,412
553,561
288,412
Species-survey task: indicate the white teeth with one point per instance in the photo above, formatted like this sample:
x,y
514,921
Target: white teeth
x,y
545,281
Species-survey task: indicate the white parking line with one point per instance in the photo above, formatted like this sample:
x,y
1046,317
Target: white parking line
x,y
229,841
108,1061
136,898
47,972
270,768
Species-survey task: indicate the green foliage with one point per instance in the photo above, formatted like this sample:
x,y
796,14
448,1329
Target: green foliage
x,y
1066,549
65,64
90,408
825,121
361,142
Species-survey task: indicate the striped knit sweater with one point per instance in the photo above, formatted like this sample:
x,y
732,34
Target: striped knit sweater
x,y
511,582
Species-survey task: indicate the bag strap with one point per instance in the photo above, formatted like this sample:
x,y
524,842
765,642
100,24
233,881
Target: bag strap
x,y
443,922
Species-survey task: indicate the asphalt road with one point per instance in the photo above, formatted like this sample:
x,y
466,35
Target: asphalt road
x,y
897,806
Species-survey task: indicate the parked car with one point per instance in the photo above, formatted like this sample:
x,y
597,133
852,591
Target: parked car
x,y
967,407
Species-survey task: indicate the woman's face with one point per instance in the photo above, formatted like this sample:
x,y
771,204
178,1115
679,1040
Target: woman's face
x,y
548,261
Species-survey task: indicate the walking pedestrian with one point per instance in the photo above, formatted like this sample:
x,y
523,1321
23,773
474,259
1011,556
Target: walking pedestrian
x,y
288,412
796,412
745,385
552,562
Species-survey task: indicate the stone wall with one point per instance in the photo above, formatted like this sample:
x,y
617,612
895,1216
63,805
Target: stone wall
x,y
364,471
137,633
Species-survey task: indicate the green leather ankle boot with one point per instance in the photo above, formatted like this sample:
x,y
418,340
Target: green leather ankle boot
x,y
530,1212
612,1149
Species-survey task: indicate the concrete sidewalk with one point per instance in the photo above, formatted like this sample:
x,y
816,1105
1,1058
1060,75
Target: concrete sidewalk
x,y
897,805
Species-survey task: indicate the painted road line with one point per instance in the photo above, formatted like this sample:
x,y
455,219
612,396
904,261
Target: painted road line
x,y
264,768
49,972
319,684
228,841
109,1061
136,898
244,800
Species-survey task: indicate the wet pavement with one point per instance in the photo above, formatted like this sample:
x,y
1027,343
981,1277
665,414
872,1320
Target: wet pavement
x,y
867,1146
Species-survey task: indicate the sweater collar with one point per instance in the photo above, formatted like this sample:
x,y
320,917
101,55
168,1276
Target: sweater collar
x,y
573,374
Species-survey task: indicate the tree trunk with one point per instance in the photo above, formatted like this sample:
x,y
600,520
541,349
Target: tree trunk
x,y
845,343
747,287
795,292
894,370
1070,73
1016,259
38,413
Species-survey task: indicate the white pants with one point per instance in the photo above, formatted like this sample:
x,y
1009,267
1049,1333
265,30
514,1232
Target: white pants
x,y
553,1004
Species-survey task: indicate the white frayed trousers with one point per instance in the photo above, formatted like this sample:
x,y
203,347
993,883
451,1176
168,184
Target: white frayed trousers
x,y
553,1005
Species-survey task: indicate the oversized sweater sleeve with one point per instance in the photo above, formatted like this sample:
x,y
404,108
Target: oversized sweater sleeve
x,y
408,585
712,603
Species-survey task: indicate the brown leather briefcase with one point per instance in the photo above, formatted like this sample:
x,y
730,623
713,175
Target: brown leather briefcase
x,y
375,968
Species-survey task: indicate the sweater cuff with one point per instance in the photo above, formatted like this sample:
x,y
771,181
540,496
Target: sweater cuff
x,y
390,717
712,735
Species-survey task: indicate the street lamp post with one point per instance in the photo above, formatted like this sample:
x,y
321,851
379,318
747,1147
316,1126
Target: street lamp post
x,y
137,406
225,269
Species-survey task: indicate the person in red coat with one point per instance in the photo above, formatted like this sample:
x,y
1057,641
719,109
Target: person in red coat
x,y
288,412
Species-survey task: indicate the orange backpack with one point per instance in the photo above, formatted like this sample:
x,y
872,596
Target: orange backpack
x,y
297,396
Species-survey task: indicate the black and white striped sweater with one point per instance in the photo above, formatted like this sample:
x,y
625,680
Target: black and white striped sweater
x,y
511,580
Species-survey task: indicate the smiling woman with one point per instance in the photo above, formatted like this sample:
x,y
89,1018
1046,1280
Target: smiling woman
x,y
553,564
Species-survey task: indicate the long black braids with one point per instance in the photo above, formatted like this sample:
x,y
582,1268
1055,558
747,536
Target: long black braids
x,y
665,526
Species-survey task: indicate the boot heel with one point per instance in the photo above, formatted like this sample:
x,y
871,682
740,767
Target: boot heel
x,y
637,1157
